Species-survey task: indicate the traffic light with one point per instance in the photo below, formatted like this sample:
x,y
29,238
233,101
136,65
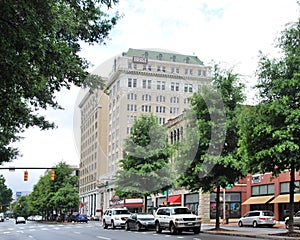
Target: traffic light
x,y
25,176
52,175
106,185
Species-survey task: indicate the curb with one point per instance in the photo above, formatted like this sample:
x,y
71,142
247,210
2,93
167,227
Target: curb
x,y
243,234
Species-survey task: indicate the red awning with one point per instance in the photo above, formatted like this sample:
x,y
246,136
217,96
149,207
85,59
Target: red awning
x,y
176,199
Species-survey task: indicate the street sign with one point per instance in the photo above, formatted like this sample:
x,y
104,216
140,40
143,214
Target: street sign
x,y
18,194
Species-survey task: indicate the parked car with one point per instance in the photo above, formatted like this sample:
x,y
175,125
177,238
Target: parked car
x,y
20,220
115,217
177,220
72,217
81,218
2,217
258,218
138,221
296,220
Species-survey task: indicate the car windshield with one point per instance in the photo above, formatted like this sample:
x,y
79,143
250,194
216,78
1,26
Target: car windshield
x,y
181,211
268,213
123,211
145,217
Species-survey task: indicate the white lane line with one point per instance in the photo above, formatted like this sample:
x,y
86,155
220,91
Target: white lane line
x,y
105,238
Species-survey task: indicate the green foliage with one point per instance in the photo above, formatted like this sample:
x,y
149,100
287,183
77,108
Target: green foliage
x,y
214,136
211,141
270,131
5,195
39,55
62,193
144,167
21,207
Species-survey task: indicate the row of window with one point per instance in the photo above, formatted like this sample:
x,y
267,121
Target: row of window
x,y
148,108
148,97
160,68
160,85
268,189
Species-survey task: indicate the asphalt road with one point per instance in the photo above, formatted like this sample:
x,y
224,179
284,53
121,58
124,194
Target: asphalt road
x,y
92,230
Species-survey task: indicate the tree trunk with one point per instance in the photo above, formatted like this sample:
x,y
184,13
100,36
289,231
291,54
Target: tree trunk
x,y
145,204
218,208
292,193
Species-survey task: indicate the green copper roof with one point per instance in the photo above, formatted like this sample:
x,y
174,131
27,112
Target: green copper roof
x,y
163,56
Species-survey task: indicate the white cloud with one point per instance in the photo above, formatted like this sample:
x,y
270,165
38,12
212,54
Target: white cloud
x,y
227,31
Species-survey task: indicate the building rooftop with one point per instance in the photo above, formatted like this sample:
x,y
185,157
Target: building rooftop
x,y
163,55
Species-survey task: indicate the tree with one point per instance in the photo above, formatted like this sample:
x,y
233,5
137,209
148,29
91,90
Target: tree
x,y
214,136
270,131
21,207
5,195
39,55
62,193
144,167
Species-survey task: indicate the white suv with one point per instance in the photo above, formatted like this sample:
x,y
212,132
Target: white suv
x,y
115,217
176,220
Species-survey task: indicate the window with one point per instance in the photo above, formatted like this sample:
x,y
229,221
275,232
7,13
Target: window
x,y
144,83
186,71
149,84
267,189
188,88
159,57
146,97
161,85
129,83
199,72
177,87
158,85
163,68
285,187
172,86
132,83
149,68
158,68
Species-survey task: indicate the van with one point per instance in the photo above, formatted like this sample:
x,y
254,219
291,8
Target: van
x,y
258,218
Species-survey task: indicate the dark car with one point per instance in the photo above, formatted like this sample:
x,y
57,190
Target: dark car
x,y
138,221
81,218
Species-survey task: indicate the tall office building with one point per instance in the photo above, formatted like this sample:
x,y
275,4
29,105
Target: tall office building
x,y
143,81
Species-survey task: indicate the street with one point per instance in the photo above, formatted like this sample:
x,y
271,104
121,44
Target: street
x,y
92,230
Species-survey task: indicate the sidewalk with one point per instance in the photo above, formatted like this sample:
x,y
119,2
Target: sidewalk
x,y
240,233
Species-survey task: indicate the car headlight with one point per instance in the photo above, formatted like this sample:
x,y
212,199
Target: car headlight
x,y
178,219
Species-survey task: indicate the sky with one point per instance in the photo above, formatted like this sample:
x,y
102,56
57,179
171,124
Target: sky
x,y
230,32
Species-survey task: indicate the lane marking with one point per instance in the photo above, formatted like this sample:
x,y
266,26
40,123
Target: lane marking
x,y
105,238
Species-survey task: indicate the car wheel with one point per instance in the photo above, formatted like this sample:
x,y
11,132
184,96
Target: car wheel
x,y
138,226
172,228
113,225
254,224
105,225
127,228
240,223
196,230
157,227
287,224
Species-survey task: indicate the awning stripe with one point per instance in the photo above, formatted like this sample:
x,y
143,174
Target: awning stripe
x,y
285,198
258,200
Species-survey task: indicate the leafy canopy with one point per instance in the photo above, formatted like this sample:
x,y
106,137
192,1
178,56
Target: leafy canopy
x,y
39,46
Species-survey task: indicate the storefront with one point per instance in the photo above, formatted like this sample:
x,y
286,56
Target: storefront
x,y
232,205
191,201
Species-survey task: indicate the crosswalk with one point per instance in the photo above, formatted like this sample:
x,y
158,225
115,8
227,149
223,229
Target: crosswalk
x,y
41,227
